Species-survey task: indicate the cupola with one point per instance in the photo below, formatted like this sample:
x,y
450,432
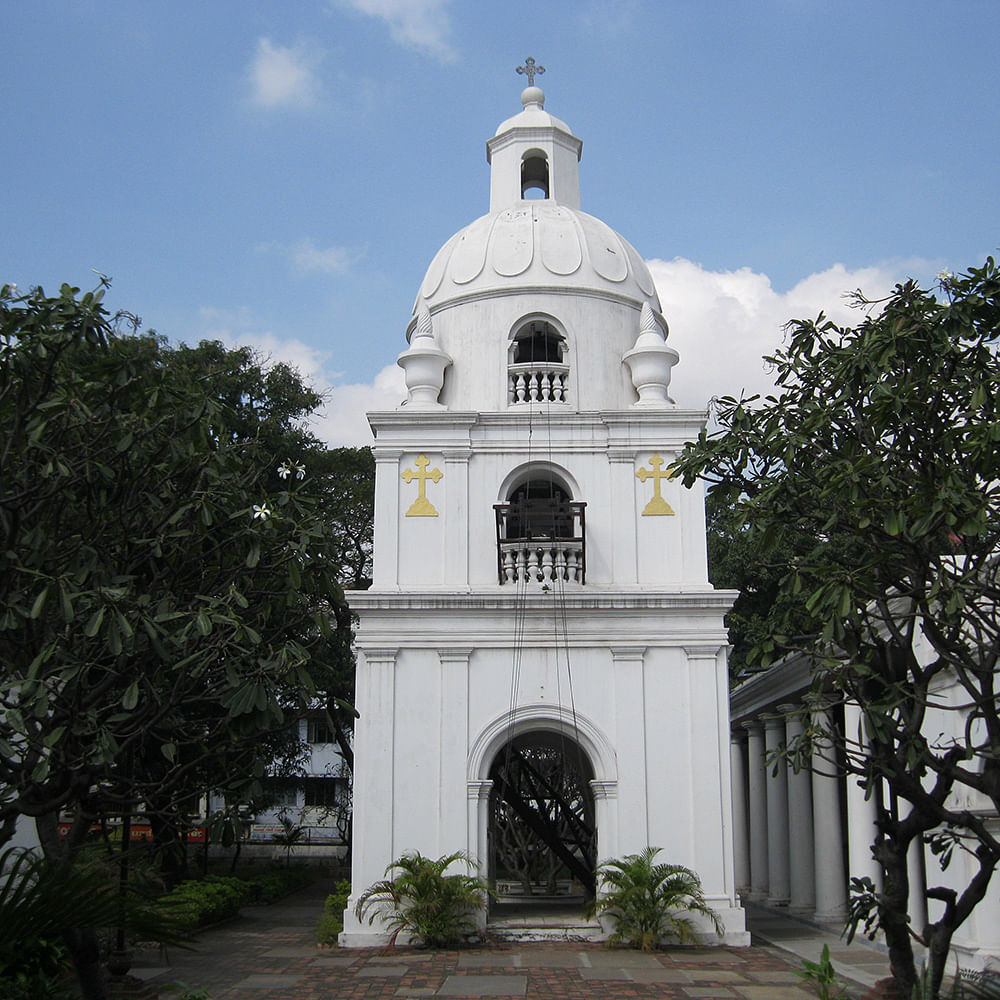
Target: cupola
x,y
534,156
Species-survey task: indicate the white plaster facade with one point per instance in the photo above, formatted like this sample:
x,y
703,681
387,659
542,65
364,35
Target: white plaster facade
x,y
458,650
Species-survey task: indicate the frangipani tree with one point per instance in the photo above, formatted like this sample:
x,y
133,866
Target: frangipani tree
x,y
167,571
870,480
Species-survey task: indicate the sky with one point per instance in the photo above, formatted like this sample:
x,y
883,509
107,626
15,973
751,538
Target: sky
x,y
281,174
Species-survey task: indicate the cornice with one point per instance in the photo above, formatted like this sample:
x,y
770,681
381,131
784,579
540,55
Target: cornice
x,y
785,681
703,601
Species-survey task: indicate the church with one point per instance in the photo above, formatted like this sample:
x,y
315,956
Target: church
x,y
541,675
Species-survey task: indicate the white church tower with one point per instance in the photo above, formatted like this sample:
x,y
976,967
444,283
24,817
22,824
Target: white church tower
x,y
542,676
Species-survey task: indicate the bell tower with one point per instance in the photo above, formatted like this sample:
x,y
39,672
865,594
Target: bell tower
x,y
541,654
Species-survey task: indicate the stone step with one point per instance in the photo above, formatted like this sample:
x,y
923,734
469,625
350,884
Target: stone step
x,y
546,928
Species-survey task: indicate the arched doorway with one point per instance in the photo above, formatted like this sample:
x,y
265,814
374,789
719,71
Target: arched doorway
x,y
542,837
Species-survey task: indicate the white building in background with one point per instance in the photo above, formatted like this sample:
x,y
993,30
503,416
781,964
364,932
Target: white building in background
x,y
800,836
315,798
541,610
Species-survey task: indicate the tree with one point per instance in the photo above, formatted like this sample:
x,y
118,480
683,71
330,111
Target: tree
x,y
167,570
872,478
736,561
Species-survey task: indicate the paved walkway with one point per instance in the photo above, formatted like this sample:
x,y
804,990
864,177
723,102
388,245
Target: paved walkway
x,y
269,953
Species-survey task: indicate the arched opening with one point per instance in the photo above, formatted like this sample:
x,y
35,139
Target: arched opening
x,y
542,838
539,509
538,341
537,369
541,532
535,174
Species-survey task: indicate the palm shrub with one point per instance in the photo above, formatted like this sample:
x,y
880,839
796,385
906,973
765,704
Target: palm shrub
x,y
42,901
436,908
648,901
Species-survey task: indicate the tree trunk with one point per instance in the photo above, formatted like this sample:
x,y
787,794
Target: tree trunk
x,y
86,955
891,850
81,941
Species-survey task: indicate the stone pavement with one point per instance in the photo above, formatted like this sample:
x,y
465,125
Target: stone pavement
x,y
269,953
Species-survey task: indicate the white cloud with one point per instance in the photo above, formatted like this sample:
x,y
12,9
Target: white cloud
x,y
310,259
285,76
423,25
606,20
307,258
343,421
723,322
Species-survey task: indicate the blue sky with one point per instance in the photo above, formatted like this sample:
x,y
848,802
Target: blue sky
x,y
281,174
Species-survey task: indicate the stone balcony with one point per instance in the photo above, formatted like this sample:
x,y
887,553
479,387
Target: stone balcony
x,y
537,382
541,542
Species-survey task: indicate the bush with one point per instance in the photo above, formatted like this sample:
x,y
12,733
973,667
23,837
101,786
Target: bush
x,y
332,921
274,883
646,900
437,909
195,904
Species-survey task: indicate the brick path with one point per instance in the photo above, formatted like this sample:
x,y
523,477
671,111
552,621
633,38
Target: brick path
x,y
269,953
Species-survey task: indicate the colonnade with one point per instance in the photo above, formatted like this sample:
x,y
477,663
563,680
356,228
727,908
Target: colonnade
x,y
799,832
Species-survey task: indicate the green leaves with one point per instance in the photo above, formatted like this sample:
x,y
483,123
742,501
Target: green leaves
x,y
144,612
858,510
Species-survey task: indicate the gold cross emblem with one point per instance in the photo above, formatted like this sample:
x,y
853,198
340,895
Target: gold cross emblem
x,y
657,505
422,507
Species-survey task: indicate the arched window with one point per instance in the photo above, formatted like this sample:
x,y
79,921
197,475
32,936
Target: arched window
x,y
539,508
534,174
540,533
537,370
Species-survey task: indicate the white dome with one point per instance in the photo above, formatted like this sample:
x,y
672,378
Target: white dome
x,y
537,246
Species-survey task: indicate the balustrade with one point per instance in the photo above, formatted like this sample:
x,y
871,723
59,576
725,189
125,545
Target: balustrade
x,y
537,555
537,382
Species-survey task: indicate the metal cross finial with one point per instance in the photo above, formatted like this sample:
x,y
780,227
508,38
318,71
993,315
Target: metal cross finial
x,y
530,70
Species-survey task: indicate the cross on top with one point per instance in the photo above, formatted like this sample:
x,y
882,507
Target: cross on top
x,y
530,70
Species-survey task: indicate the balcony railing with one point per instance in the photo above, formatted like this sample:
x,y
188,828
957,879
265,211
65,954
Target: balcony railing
x,y
537,382
541,541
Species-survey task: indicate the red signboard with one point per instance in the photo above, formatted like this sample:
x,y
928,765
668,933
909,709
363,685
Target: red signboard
x,y
140,832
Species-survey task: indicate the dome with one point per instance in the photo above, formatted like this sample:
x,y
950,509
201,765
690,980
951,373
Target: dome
x,y
534,246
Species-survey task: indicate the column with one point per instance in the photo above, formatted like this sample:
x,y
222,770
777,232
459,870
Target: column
x,y
861,812
374,821
385,571
779,888
477,836
828,833
456,552
630,739
757,795
741,841
802,874
624,557
605,794
917,876
453,739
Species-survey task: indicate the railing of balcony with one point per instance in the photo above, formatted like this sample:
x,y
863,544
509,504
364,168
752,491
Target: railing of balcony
x,y
538,382
540,541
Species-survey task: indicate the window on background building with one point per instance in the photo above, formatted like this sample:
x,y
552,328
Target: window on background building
x,y
280,793
325,792
319,731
